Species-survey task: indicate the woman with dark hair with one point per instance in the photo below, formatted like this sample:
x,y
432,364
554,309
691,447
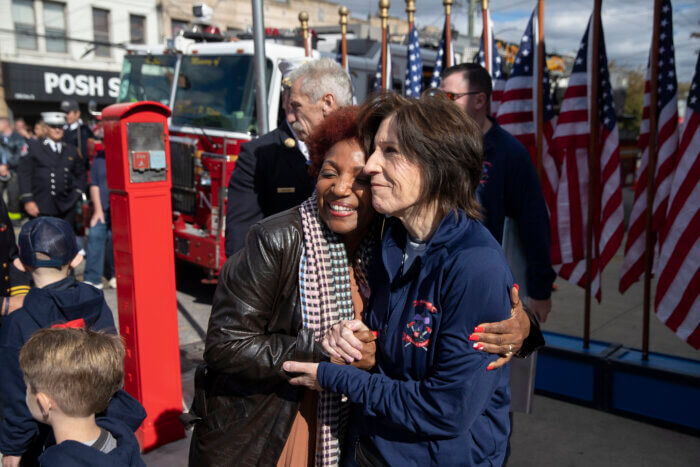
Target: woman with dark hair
x,y
300,272
430,399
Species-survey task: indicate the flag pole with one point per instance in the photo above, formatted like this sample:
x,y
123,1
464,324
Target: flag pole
x,y
304,19
343,12
448,33
384,14
651,169
540,84
486,37
411,12
593,170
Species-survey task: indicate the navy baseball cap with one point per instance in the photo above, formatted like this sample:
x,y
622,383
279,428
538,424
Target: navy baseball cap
x,y
48,235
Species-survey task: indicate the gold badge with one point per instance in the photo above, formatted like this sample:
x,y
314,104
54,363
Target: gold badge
x,y
290,142
285,189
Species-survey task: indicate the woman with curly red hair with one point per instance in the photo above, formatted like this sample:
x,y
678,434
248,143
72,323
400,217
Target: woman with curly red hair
x,y
300,272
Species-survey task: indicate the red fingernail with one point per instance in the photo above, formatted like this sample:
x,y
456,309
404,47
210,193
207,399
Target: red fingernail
x,y
473,337
517,287
478,329
375,333
490,367
478,346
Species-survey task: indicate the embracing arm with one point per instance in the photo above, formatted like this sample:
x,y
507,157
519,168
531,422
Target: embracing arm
x,y
245,301
458,388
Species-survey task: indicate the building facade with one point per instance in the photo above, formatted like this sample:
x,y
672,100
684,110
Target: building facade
x,y
54,50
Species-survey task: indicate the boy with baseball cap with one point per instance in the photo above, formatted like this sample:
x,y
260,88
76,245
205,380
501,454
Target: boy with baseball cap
x,y
71,374
48,250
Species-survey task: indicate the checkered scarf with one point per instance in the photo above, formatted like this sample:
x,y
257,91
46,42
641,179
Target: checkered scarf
x,y
324,283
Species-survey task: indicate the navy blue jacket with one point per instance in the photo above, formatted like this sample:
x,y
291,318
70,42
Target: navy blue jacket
x,y
60,302
510,187
76,454
430,400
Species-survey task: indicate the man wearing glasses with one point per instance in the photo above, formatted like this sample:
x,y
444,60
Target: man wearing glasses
x,y
509,185
51,175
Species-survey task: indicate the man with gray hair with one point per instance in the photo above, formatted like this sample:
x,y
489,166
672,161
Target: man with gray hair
x,y
271,172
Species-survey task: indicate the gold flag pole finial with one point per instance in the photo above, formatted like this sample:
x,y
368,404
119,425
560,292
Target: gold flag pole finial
x,y
304,19
411,12
343,12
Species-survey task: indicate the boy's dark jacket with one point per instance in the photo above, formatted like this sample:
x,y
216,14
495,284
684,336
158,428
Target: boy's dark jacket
x,y
62,302
76,454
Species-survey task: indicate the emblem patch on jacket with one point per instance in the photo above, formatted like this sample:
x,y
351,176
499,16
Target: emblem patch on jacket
x,y
418,330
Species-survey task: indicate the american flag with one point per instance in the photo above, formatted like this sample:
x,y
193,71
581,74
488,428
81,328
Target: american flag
x,y
441,61
495,70
678,289
414,67
570,144
518,109
667,148
378,85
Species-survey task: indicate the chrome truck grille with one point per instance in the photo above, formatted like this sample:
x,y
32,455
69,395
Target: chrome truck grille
x,y
182,161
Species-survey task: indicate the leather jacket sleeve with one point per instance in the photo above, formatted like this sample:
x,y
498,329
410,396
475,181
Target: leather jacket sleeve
x,y
253,295
535,339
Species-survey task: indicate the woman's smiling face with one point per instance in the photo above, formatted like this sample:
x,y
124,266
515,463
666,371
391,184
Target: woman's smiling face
x,y
343,191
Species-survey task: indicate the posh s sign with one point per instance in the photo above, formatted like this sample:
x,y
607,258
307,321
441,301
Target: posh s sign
x,y
53,84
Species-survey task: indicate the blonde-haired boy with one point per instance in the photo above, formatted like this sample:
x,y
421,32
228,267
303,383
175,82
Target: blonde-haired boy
x,y
48,250
71,375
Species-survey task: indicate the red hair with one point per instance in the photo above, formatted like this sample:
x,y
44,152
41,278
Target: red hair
x,y
338,126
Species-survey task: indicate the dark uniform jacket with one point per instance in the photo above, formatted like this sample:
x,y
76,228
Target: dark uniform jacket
x,y
12,281
71,137
510,187
269,177
245,402
54,181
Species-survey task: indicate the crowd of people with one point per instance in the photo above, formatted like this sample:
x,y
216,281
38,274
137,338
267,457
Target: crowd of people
x,y
366,314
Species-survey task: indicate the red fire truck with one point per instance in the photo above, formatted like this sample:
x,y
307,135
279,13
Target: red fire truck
x,y
210,87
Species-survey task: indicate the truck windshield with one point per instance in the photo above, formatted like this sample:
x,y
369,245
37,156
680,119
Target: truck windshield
x,y
218,92
147,78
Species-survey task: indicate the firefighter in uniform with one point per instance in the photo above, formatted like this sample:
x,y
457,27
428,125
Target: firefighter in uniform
x,y
52,175
75,132
272,172
14,284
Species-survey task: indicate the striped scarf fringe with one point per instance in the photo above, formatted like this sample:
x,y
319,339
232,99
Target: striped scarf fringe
x,y
324,283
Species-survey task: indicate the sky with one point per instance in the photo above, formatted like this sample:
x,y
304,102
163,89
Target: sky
x,y
626,25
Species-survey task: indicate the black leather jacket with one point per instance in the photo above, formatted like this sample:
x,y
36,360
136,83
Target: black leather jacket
x,y
247,407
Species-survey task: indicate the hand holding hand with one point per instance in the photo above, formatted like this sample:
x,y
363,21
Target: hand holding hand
x,y
340,340
505,337
303,374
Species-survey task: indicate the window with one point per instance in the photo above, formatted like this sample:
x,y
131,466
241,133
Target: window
x,y
137,26
23,17
100,27
55,22
217,92
176,26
